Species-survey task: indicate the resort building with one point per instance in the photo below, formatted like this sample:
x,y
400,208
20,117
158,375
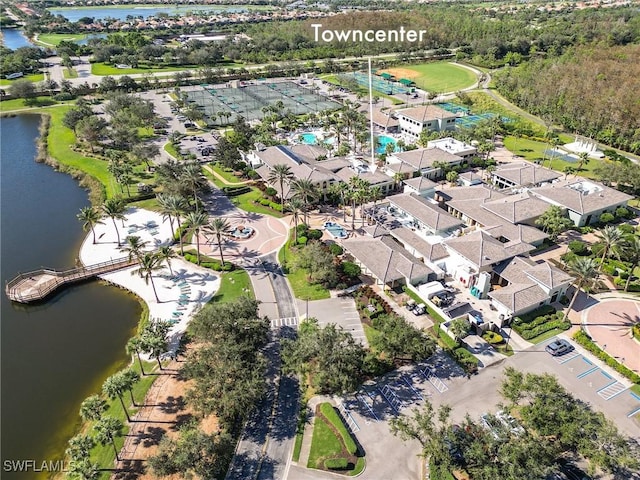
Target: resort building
x,y
420,186
584,200
419,214
456,147
427,162
522,174
385,120
428,117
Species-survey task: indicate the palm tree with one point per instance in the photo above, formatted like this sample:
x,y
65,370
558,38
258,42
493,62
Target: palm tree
x,y
80,446
307,192
154,340
195,222
83,469
133,246
583,158
164,202
134,345
585,269
177,206
92,408
148,263
295,206
220,228
363,195
113,387
130,378
375,194
340,189
281,174
631,251
89,218
611,238
114,209
106,431
165,254
192,174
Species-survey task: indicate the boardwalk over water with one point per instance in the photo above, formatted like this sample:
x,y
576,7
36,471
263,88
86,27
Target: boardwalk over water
x,y
38,284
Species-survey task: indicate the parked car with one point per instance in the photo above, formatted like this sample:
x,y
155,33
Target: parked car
x,y
559,347
489,422
510,422
420,309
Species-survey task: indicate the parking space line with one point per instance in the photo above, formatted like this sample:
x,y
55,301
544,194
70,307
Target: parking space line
x,y
562,360
587,360
637,410
588,372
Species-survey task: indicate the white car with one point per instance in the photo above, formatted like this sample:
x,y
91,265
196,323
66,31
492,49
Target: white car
x,y
510,422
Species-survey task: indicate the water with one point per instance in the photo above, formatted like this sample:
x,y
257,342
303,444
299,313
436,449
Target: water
x,y
55,354
100,13
14,38
92,36
383,141
309,138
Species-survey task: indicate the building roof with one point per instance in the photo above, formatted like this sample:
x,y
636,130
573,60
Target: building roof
x,y
308,153
424,157
382,119
518,208
430,251
386,259
425,113
374,178
334,164
525,173
471,178
476,192
481,249
523,270
400,167
581,196
376,230
518,297
452,145
422,210
420,183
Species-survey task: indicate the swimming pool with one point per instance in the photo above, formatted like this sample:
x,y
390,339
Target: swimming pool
x,y
383,141
309,138
336,230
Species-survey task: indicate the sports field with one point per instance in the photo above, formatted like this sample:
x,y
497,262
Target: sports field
x,y
437,77
55,38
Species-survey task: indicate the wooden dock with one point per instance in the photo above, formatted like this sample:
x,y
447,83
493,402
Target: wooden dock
x,y
38,284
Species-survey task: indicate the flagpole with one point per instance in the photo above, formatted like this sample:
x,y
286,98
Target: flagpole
x,y
373,147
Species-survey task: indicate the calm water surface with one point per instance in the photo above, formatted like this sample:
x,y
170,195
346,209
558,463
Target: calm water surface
x,y
100,13
56,354
14,38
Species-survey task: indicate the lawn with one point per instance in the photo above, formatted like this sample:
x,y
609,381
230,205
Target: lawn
x,y
216,181
17,104
101,68
171,150
246,203
232,286
546,336
70,73
324,443
298,278
36,77
436,76
227,175
54,39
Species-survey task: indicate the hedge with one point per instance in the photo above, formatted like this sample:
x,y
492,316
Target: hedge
x,y
585,340
336,463
621,282
529,328
332,416
214,265
235,191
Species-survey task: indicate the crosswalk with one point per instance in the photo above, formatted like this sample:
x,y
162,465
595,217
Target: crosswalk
x,y
284,322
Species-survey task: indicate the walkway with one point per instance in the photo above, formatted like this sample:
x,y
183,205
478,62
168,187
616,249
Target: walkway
x,y
308,429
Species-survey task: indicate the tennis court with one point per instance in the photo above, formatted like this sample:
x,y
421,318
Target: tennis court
x,y
222,106
469,121
380,84
453,108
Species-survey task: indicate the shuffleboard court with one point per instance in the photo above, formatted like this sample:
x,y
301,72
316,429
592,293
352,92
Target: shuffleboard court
x,y
435,76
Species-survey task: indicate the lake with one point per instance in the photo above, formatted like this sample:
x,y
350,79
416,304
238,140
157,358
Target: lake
x,y
57,353
121,13
14,38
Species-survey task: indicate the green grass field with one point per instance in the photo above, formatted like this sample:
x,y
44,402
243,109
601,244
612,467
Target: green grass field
x,y
233,285
54,39
104,69
437,76
70,73
36,77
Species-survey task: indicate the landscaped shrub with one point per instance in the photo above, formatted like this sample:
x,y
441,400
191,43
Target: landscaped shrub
x,y
302,240
336,463
234,191
492,337
314,234
635,330
622,212
275,206
627,229
584,340
620,282
578,247
608,269
332,416
606,218
528,327
351,269
467,359
336,249
270,191
264,202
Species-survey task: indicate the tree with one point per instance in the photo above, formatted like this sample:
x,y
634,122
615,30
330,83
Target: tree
x,y
154,340
452,177
135,345
129,378
74,115
133,246
226,153
83,469
295,206
193,176
583,159
281,174
147,264
611,239
91,130
631,251
554,221
165,254
89,217
460,327
220,228
114,209
92,408
585,269
341,189
328,359
318,261
106,430
114,387
23,88
429,427
512,387
79,447
399,339
307,192
195,222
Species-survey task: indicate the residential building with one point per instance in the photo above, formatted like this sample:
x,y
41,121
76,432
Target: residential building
x,y
430,117
522,174
456,147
